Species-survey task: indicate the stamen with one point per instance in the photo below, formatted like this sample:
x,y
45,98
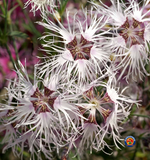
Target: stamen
x,y
92,119
102,93
105,113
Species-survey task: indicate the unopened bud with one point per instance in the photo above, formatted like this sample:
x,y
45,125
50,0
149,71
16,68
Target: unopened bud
x,y
57,16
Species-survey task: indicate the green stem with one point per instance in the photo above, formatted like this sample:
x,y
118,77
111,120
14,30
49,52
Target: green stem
x,y
16,52
10,56
35,31
6,23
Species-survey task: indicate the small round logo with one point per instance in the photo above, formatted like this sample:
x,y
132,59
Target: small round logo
x,y
129,141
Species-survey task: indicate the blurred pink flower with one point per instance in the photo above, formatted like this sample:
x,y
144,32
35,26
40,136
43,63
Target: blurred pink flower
x,y
27,57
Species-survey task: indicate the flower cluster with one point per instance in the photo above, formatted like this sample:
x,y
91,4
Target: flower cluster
x,y
74,98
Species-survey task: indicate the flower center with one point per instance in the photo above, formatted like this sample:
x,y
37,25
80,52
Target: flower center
x,y
132,32
43,101
95,102
80,49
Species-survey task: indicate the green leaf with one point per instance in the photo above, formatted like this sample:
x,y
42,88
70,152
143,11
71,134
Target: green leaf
x,y
2,15
2,9
63,7
141,135
9,14
31,28
18,34
140,115
20,3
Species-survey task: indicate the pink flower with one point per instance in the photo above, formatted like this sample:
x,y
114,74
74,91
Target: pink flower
x,y
27,57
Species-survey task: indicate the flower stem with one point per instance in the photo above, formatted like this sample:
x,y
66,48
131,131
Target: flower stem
x,y
10,56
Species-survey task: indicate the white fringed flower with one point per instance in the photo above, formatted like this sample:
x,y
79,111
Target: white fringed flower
x,y
9,137
42,5
104,112
131,35
80,55
39,109
120,110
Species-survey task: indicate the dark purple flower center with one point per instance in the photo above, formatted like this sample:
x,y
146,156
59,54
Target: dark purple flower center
x,y
80,49
40,105
133,32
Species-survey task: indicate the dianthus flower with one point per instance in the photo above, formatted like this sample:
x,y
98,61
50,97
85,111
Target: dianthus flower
x,y
79,56
131,34
42,5
38,113
104,113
